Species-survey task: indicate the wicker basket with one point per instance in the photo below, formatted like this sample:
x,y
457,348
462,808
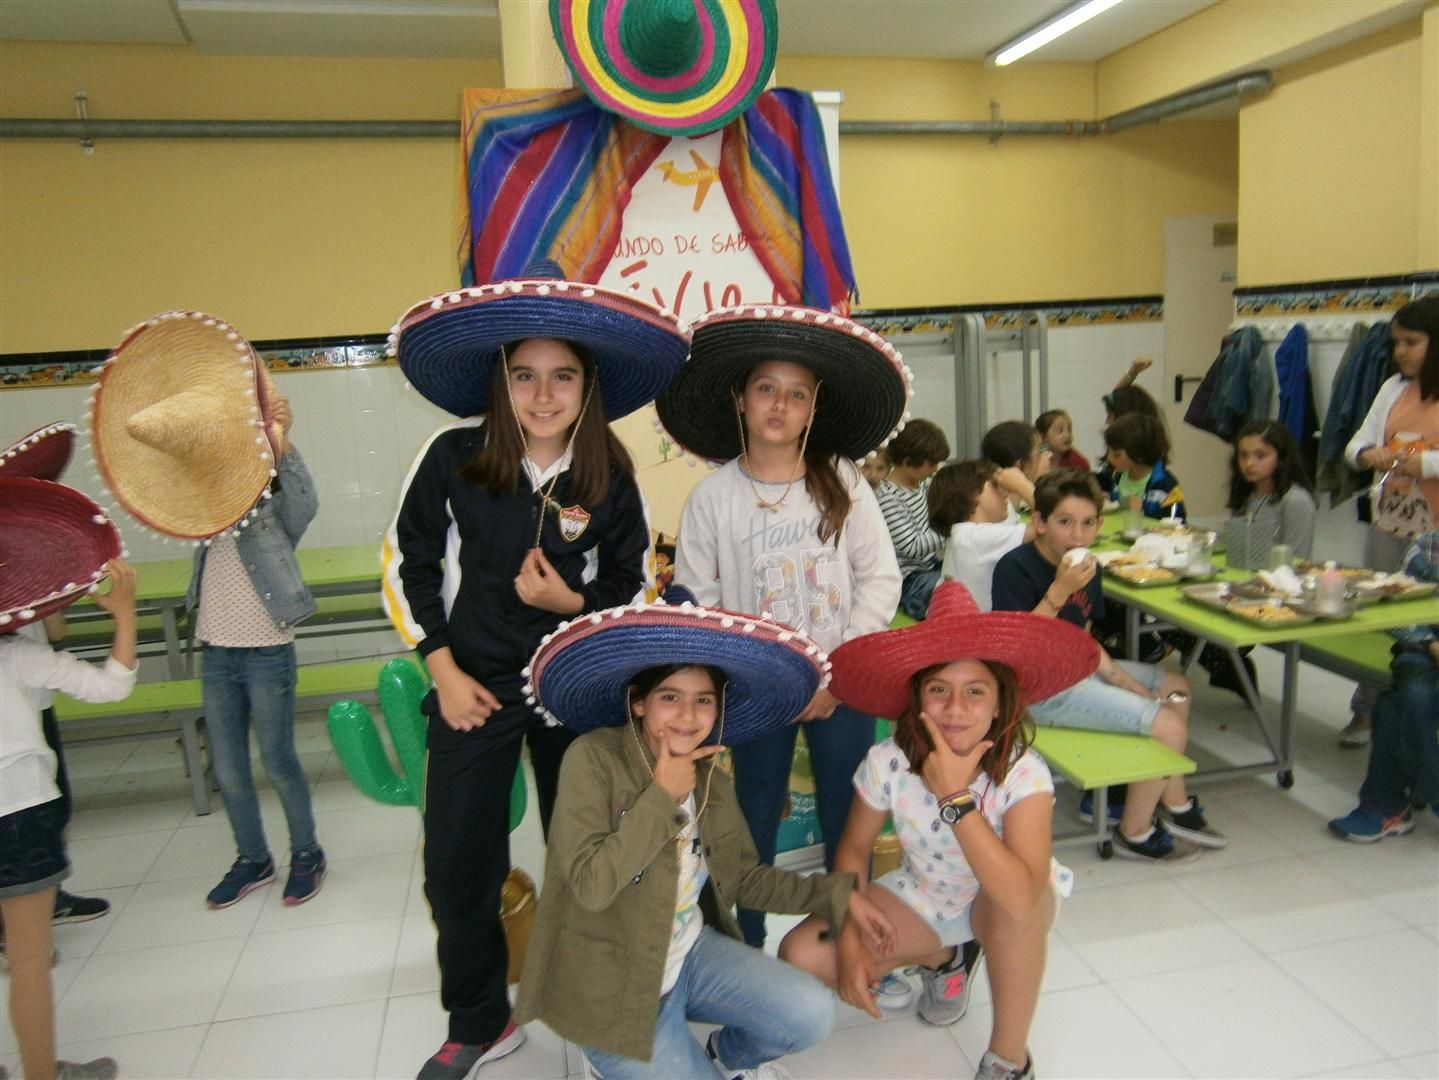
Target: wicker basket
x,y
517,916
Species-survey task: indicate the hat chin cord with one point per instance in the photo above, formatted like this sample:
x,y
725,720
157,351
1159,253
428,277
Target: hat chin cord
x,y
760,501
545,501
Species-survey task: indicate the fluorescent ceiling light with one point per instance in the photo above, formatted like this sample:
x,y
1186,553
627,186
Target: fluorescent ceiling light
x,y
1043,34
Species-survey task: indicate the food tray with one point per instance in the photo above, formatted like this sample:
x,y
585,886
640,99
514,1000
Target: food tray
x,y
1216,595
1392,592
1350,573
1160,579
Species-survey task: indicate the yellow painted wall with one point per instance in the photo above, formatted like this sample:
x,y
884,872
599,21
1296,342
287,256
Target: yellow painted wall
x,y
293,238
1331,165
282,237
951,219
1233,36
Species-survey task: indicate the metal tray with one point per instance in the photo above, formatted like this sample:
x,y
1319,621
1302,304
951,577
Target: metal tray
x,y
1171,578
1217,596
1413,592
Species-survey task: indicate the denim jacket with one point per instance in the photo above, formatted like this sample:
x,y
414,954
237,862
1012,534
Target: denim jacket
x,y
267,545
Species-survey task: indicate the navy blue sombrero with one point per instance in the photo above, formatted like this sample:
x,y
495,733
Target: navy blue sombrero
x,y
447,345
580,674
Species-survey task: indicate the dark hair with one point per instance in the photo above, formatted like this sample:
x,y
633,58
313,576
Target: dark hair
x,y
1012,730
1055,486
920,443
1422,317
1288,470
821,473
1046,420
597,452
1123,400
1139,436
1010,442
954,493
645,681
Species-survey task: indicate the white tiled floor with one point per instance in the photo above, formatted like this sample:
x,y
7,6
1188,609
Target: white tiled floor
x,y
1288,954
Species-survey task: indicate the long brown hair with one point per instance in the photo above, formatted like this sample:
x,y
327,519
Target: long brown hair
x,y
496,465
1012,730
821,469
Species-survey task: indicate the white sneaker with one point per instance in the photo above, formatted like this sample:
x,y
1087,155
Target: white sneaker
x,y
895,992
768,1071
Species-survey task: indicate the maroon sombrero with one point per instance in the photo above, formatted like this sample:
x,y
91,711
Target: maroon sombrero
x,y
54,543
872,673
43,454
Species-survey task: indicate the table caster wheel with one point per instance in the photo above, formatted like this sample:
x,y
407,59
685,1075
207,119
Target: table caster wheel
x,y
1286,779
1106,849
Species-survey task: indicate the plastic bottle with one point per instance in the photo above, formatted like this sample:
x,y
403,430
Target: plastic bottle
x,y
1329,595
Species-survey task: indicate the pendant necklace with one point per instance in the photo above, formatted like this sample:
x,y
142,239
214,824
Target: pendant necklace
x,y
773,505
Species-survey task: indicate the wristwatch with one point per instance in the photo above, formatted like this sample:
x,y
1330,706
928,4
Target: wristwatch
x,y
954,807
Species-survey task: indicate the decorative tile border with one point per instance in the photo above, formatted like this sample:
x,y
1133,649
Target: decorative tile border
x,y
1004,317
1352,296
21,371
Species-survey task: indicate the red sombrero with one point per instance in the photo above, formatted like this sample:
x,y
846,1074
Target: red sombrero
x,y
872,673
43,453
54,543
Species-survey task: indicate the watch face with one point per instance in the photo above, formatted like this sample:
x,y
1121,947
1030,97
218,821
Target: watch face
x,y
949,814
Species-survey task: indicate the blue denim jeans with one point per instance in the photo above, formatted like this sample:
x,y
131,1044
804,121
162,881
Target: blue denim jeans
x,y
767,1008
915,591
761,782
248,689
1404,754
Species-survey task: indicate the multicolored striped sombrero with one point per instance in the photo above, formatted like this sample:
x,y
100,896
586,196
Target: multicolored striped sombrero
x,y
677,67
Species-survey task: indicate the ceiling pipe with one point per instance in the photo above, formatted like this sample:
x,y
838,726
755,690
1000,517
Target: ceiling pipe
x,y
13,128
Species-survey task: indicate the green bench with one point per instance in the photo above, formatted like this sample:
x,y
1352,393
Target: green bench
x,y
1363,656
1096,760
159,709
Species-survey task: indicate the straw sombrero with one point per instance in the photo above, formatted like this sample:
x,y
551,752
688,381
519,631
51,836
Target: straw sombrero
x,y
180,425
872,673
677,67
54,543
864,392
580,673
447,345
43,453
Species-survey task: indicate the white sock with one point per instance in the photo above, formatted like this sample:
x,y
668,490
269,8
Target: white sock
x,y
1188,806
1139,839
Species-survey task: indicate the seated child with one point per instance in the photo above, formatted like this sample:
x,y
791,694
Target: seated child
x,y
914,454
1043,577
1013,443
1056,428
1121,401
47,549
1138,451
649,854
967,502
1404,754
959,685
1269,487
875,468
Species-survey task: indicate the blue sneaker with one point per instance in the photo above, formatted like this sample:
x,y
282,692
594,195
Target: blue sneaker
x,y
244,877
1366,826
1158,847
307,874
1114,811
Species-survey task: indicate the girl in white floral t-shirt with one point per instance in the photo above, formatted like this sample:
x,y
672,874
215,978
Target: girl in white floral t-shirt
x,y
972,807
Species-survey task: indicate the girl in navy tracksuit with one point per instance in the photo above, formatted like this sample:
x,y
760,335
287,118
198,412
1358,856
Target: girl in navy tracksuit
x,y
509,523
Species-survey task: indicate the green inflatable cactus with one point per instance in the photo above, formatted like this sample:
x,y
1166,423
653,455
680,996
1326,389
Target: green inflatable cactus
x,y
402,686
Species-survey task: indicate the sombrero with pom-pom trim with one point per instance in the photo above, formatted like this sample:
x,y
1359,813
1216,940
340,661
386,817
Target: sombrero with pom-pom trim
x,y
448,344
581,673
864,391
872,673
677,67
43,454
181,425
54,544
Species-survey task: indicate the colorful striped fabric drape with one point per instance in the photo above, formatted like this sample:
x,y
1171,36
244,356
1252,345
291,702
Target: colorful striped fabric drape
x,y
548,175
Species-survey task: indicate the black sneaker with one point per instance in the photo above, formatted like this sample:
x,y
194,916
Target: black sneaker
x,y
1190,825
1160,847
244,876
71,908
457,1060
307,874
1223,676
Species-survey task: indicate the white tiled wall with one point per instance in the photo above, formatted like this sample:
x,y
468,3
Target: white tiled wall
x,y
358,429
